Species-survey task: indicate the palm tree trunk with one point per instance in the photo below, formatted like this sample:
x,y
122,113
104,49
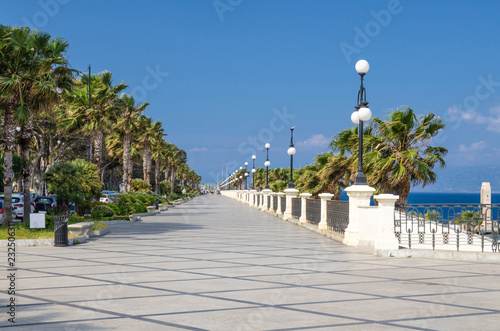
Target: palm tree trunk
x,y
145,163
9,137
157,175
126,160
26,136
172,180
98,149
130,170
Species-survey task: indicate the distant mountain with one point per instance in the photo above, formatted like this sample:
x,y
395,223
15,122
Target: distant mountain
x,y
464,179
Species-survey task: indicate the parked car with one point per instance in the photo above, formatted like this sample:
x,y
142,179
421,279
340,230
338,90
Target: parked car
x,y
43,203
18,204
109,198
1,212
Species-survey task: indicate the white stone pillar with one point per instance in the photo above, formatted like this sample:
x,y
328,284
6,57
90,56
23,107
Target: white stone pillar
x,y
289,193
386,239
359,195
280,195
303,207
265,194
324,198
252,197
272,207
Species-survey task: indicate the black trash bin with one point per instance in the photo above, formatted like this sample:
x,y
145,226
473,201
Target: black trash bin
x,y
157,203
60,231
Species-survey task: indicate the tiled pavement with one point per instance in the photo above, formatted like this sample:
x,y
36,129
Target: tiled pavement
x,y
216,264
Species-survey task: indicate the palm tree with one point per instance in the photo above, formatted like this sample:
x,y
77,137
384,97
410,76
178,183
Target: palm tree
x,y
397,151
104,111
126,123
33,68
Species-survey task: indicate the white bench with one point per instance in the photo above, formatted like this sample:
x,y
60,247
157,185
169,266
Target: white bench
x,y
81,229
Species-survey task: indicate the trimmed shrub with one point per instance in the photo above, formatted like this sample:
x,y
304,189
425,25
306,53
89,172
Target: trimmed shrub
x,y
115,208
101,211
139,209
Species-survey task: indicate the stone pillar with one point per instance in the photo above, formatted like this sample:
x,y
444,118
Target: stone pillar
x,y
486,210
324,198
359,195
252,197
386,239
289,193
278,211
303,206
265,194
272,207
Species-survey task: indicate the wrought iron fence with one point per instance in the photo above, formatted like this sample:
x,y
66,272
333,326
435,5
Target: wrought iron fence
x,y
337,215
283,204
466,226
313,211
296,207
275,202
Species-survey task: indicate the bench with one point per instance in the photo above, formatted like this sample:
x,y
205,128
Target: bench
x,y
81,229
151,209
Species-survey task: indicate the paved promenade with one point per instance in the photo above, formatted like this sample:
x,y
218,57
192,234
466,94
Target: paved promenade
x,y
216,264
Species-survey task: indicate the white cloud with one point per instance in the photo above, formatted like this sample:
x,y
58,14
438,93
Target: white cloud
x,y
317,140
474,147
198,149
474,117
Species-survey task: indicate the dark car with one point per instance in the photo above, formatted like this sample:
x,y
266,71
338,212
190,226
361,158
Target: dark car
x,y
44,203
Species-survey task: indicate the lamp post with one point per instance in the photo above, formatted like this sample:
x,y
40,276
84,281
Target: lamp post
x,y
241,181
89,138
253,172
362,113
246,174
291,151
267,164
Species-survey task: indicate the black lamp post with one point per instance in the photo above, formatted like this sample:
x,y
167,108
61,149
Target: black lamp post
x,y
362,113
291,151
267,164
89,138
253,172
246,174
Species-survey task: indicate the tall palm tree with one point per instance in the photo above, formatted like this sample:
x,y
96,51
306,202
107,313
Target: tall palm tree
x,y
127,121
104,111
33,68
398,153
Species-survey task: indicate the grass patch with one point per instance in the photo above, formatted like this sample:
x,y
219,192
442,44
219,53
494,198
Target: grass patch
x,y
23,231
98,226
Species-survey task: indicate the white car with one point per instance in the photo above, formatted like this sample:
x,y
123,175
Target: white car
x,y
18,204
109,198
1,212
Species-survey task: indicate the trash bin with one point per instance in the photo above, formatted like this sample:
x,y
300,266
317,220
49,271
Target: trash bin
x,y
60,231
156,203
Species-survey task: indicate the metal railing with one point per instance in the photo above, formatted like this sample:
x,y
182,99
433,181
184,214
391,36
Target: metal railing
x,y
275,202
313,211
337,215
283,204
296,207
465,226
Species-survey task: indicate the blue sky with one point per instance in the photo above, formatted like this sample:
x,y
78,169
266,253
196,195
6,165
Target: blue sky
x,y
226,75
